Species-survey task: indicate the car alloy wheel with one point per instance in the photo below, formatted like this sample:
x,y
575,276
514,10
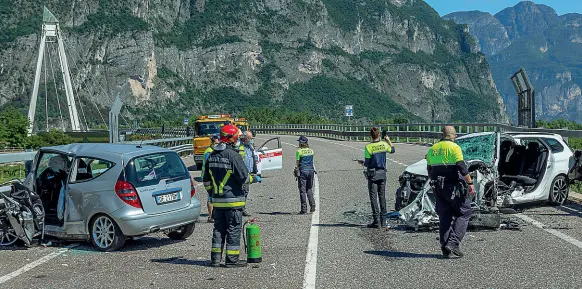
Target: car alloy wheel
x,y
106,235
559,190
8,237
103,232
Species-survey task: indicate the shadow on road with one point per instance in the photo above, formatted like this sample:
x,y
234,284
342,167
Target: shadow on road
x,y
132,245
277,213
344,224
182,261
396,254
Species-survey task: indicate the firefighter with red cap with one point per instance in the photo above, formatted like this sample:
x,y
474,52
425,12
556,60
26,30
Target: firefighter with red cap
x,y
225,173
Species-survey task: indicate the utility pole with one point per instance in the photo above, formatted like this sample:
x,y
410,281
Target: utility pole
x,y
51,33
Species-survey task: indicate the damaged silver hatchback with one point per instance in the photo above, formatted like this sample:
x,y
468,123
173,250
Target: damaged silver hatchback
x,y
507,169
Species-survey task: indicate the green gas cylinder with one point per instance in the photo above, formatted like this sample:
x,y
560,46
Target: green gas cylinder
x,y
253,234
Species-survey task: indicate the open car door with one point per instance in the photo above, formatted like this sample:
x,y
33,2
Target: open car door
x,y
575,172
270,156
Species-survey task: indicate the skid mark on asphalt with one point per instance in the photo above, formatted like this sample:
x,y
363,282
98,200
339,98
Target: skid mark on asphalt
x,y
36,263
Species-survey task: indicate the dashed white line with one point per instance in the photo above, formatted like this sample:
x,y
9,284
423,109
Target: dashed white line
x,y
554,232
310,273
36,263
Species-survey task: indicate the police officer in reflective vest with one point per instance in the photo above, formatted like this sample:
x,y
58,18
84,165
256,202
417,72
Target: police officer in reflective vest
x,y
451,182
225,174
375,163
206,155
304,172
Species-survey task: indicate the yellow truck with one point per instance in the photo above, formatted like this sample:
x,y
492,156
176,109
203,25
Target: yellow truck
x,y
207,125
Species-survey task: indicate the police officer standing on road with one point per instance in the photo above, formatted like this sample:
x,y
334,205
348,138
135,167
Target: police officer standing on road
x,y
304,172
375,163
206,155
247,151
225,174
449,179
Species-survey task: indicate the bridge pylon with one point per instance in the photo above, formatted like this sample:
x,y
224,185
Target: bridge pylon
x,y
51,33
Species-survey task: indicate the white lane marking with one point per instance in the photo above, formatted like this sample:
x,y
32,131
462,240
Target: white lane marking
x,y
310,273
554,232
36,263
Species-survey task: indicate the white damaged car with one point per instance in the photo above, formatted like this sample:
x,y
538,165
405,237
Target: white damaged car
x,y
507,169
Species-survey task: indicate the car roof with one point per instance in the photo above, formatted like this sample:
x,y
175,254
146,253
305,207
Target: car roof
x,y
90,149
533,133
475,134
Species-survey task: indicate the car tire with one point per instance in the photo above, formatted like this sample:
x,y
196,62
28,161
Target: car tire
x,y
398,202
182,233
106,236
559,191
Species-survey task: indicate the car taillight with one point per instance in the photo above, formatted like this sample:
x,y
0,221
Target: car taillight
x,y
192,189
127,193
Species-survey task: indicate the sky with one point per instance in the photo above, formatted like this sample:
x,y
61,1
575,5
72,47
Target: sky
x,y
444,7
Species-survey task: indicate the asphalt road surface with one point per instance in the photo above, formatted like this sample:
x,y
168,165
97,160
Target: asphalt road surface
x,y
337,251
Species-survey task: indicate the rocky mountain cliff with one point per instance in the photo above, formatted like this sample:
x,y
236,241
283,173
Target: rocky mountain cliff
x,y
174,57
548,46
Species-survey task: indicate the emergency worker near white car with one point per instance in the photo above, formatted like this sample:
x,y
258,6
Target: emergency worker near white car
x,y
247,151
225,174
453,188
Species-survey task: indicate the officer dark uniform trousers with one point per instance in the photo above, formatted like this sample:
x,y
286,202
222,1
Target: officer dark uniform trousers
x,y
306,178
225,174
375,163
453,204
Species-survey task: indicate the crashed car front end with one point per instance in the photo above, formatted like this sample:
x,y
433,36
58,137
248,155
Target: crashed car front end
x,y
420,213
419,209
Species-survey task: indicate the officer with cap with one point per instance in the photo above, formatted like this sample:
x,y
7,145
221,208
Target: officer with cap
x,y
375,163
206,155
304,172
450,181
225,174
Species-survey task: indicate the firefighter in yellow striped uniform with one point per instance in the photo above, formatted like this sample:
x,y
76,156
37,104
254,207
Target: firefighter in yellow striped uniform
x,y
225,174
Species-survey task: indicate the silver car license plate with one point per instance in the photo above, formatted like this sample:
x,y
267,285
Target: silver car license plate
x,y
168,198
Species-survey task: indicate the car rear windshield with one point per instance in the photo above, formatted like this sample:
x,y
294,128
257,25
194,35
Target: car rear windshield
x,y
149,169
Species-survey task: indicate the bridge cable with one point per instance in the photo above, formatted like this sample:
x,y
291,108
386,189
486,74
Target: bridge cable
x,y
45,93
100,86
56,89
77,90
69,48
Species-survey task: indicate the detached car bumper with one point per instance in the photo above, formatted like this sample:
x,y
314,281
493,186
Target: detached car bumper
x,y
132,224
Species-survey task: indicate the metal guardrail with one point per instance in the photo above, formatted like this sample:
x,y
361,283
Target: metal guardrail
x,y
180,145
418,133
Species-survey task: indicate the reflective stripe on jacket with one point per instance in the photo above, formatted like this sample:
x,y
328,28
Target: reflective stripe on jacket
x,y
225,173
375,155
442,158
305,158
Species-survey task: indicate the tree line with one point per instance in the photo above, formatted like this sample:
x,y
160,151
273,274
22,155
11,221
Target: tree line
x,y
14,132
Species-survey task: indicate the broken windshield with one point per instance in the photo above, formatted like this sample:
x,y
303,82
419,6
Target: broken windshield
x,y
481,147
